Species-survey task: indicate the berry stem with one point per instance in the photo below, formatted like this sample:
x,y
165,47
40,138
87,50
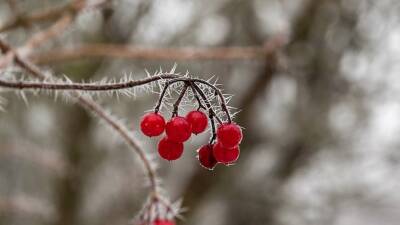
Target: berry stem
x,y
220,95
208,104
223,103
178,101
157,108
214,134
201,106
211,113
167,84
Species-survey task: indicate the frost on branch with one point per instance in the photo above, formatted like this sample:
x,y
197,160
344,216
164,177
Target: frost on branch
x,y
189,101
158,208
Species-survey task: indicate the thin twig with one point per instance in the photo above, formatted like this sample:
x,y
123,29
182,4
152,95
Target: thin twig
x,y
211,113
201,106
213,131
167,84
208,104
36,40
73,7
178,101
220,95
44,36
43,15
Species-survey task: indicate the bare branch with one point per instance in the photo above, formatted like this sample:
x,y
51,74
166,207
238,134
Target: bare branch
x,y
84,87
47,15
139,53
36,40
43,15
116,86
134,52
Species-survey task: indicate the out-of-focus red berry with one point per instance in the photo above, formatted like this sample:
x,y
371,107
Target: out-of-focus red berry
x,y
178,129
169,149
198,120
152,124
225,155
229,135
163,222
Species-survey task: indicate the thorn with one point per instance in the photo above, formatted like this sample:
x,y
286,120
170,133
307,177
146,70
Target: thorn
x,y
147,73
172,71
210,79
23,96
186,74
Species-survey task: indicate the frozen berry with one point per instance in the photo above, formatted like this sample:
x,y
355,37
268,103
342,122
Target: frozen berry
x,y
206,157
178,129
169,149
152,124
225,155
163,222
229,135
198,120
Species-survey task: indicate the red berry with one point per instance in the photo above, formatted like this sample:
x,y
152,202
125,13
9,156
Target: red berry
x,y
163,222
152,124
178,129
206,157
169,149
225,155
229,135
198,120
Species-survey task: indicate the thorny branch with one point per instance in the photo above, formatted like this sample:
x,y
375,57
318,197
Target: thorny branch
x,y
170,77
84,86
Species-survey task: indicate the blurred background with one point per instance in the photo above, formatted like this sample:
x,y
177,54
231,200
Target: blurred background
x,y
320,112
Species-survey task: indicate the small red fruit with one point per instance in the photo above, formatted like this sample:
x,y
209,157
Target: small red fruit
x,y
225,155
163,222
206,157
178,129
229,135
152,124
198,120
169,149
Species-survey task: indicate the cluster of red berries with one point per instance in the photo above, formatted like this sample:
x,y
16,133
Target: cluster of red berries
x,y
179,129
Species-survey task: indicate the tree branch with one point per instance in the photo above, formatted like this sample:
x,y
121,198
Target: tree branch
x,y
36,40
139,53
46,15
